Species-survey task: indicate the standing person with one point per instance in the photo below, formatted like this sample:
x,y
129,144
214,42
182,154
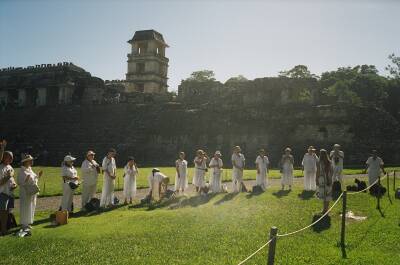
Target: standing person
x,y
7,186
309,164
26,177
324,179
238,164
287,162
90,170
70,182
336,157
109,169
374,167
262,163
200,165
130,173
216,165
181,180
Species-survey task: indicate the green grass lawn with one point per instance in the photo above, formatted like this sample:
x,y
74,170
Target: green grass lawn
x,y
50,183
223,229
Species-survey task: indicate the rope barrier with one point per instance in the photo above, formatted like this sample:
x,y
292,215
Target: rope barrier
x,y
319,219
258,250
367,188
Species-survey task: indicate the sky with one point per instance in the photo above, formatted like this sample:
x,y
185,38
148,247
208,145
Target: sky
x,y
250,38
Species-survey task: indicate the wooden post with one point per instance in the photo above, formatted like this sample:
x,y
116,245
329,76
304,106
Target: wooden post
x,y
388,187
271,250
343,230
378,206
394,180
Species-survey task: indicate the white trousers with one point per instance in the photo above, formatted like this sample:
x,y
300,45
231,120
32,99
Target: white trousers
x,y
309,180
107,193
237,178
68,195
88,192
27,204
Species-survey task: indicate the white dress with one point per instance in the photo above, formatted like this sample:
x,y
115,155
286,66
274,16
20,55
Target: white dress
x,y
6,187
107,193
337,166
89,177
287,170
199,178
130,182
262,163
155,181
310,171
374,168
216,174
237,173
182,181
27,202
68,193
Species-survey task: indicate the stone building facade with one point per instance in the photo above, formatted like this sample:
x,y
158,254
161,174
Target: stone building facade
x,y
147,64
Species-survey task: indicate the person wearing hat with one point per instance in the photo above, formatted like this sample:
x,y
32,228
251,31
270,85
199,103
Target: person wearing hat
x,y
109,169
216,165
324,179
200,165
336,156
158,182
70,182
7,186
181,178
90,170
27,200
238,164
286,163
375,166
309,163
262,163
130,174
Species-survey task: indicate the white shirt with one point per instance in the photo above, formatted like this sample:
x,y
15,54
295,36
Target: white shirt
x,y
262,162
69,172
157,177
89,172
238,159
216,162
130,172
6,187
182,166
374,165
109,165
23,173
310,162
203,163
340,163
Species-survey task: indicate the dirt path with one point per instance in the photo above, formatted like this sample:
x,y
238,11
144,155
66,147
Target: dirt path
x,y
53,202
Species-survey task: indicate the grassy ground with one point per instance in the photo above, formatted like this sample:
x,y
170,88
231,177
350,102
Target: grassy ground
x,y
223,229
50,183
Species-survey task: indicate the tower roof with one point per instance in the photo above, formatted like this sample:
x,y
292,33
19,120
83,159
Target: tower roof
x,y
143,35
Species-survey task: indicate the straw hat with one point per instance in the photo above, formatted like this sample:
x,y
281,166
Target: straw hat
x,y
26,157
90,152
336,145
69,158
155,170
237,148
218,153
287,149
311,148
9,153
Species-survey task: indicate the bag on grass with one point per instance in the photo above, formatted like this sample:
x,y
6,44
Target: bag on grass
x,y
397,193
116,200
93,205
62,217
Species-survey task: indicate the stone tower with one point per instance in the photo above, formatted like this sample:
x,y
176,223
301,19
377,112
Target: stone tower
x,y
147,64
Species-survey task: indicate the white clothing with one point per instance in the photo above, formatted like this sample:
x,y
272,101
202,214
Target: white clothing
x,y
182,181
310,171
216,174
374,168
287,170
337,165
158,177
107,193
237,171
6,170
27,202
68,193
262,163
130,182
199,178
89,177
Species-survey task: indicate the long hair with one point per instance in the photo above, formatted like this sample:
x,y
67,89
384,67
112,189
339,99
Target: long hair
x,y
324,159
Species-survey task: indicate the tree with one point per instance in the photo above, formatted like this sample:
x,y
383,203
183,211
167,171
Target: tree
x,y
394,68
236,79
202,76
299,71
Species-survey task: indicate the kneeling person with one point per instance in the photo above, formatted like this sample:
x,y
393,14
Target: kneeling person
x,y
158,183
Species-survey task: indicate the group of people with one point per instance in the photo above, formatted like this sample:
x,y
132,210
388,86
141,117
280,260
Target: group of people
x,y
320,171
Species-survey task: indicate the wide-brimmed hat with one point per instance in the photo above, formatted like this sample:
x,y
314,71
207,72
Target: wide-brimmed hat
x,y
218,153
287,149
90,152
261,150
336,145
26,157
9,153
69,158
199,151
155,170
311,148
237,148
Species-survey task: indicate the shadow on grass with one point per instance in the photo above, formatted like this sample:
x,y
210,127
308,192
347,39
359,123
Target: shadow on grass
x,y
254,193
323,224
281,193
226,198
306,194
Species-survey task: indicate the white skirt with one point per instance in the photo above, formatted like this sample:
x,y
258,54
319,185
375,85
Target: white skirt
x,y
129,187
199,178
181,183
107,193
309,180
216,182
262,179
287,175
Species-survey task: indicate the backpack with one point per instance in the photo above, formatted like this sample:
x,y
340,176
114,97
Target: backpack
x,y
92,205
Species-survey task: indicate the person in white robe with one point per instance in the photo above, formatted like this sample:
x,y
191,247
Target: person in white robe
x,y
130,174
7,186
238,164
181,178
27,200
286,163
262,163
70,182
90,170
216,165
309,163
375,167
337,157
109,169
200,170
158,184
